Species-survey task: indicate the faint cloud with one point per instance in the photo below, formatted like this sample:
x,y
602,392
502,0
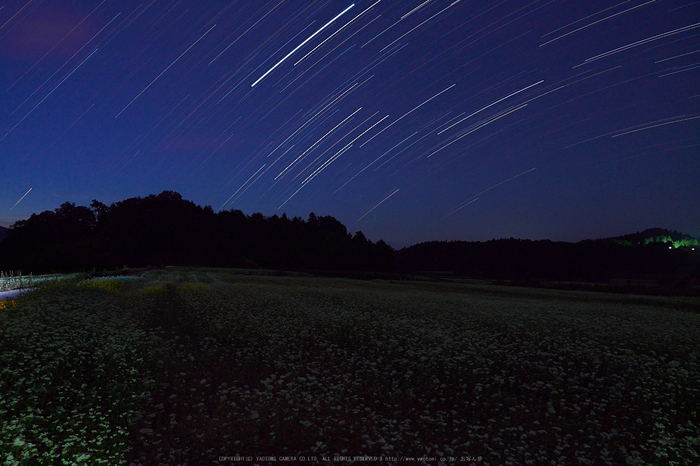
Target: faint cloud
x,y
43,29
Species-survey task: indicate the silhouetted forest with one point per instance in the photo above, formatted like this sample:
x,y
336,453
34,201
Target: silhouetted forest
x,y
168,230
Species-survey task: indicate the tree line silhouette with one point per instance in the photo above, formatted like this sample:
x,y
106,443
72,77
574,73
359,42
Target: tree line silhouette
x,y
166,229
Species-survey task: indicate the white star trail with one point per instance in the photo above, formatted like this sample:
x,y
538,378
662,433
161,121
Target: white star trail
x,y
58,43
47,95
316,172
416,9
318,142
336,32
596,22
18,12
480,125
657,125
380,203
585,18
65,63
413,29
163,72
639,42
20,200
244,33
246,182
472,199
302,44
491,105
407,113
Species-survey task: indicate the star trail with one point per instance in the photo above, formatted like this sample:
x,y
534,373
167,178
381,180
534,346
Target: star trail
x,y
408,120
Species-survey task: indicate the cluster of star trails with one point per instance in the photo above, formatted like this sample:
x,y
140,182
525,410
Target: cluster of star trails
x,y
361,108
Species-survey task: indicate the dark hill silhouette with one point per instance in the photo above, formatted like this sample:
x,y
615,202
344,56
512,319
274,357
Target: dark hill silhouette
x,y
3,230
665,257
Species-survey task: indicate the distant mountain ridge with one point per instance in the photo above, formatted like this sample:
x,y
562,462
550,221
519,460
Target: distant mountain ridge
x,y
655,254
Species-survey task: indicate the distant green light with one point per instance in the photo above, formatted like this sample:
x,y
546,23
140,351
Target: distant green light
x,y
685,242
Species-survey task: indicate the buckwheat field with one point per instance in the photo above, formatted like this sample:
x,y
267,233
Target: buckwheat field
x,y
184,366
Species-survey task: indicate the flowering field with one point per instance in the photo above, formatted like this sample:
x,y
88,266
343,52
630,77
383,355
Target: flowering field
x,y
14,281
183,367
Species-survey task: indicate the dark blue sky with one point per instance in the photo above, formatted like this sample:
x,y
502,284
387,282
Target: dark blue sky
x,y
408,120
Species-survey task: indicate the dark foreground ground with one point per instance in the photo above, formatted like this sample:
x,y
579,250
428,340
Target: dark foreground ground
x,y
199,366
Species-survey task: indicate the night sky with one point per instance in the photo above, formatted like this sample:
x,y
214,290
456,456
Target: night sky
x,y
408,120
